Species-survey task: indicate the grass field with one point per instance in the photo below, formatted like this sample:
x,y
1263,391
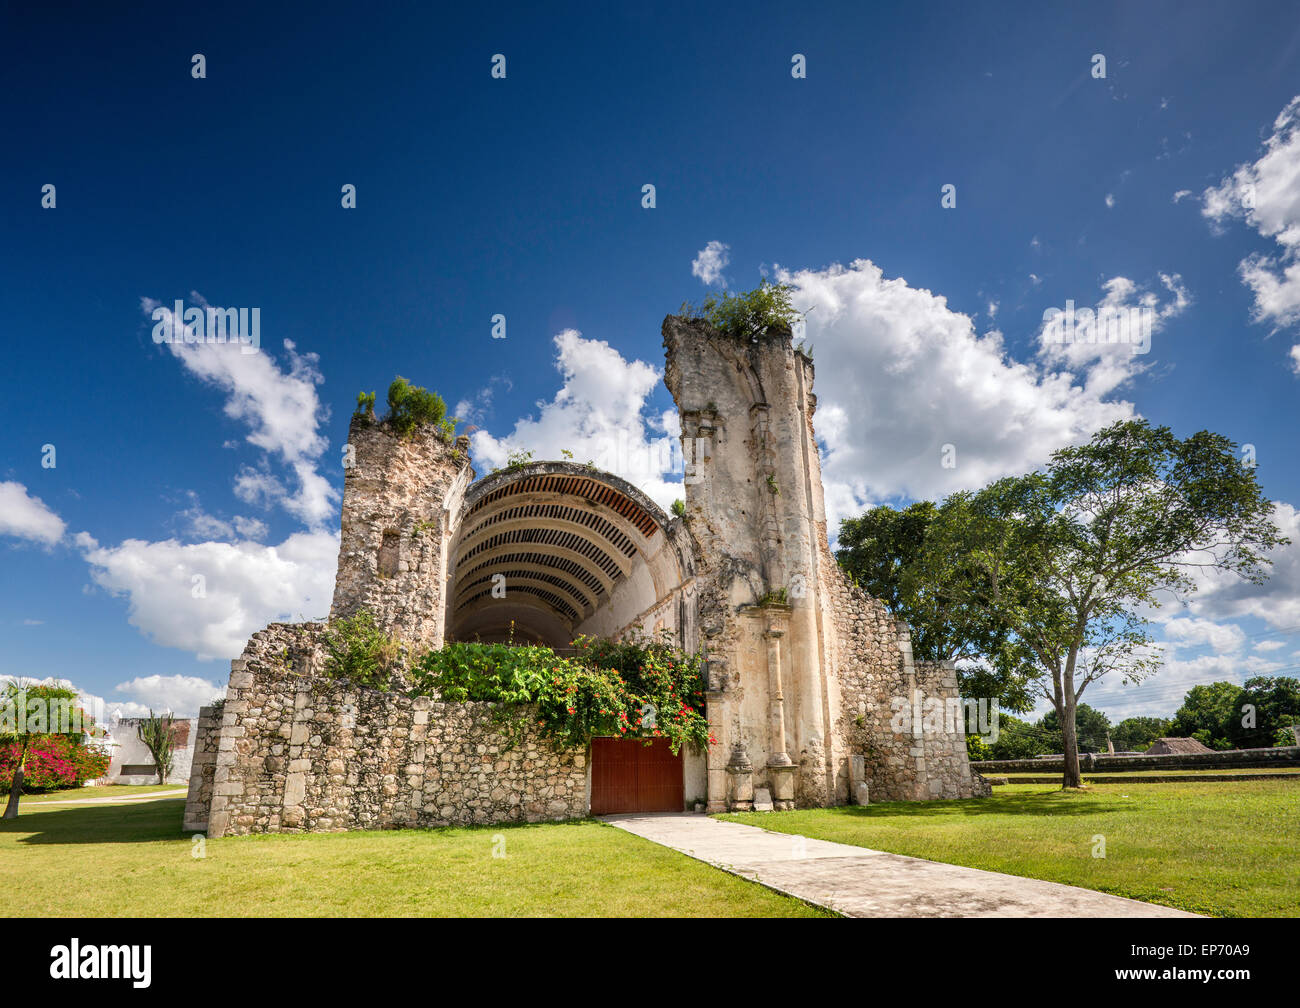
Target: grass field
x,y
123,792
132,860
1226,849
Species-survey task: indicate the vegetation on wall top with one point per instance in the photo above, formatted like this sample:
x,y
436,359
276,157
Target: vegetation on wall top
x,y
410,407
746,316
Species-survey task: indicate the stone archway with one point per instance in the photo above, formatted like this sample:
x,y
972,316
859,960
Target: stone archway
x,y
550,550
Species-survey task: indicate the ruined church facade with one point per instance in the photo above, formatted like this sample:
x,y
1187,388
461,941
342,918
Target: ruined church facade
x,y
811,689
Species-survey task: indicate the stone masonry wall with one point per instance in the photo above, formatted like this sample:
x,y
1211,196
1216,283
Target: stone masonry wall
x,y
880,685
399,502
299,752
207,735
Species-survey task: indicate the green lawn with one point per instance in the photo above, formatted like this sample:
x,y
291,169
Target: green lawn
x,y
126,791
1225,849
132,861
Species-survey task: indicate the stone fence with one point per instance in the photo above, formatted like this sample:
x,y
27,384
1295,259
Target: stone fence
x,y
298,752
1230,759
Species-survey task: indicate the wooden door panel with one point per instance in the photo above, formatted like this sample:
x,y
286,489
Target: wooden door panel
x,y
629,776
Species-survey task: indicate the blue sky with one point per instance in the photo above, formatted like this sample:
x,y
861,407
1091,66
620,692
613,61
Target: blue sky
x,y
1172,183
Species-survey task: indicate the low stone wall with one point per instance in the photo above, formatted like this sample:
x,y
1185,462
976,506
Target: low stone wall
x,y
300,752
1091,762
207,734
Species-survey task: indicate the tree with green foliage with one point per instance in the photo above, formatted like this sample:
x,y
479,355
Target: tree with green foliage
x,y
1067,558
747,316
1223,715
1136,734
410,407
1018,739
28,713
939,595
155,732
1091,726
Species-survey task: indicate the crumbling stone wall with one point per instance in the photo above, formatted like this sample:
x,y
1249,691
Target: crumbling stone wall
x,y
207,735
400,503
298,752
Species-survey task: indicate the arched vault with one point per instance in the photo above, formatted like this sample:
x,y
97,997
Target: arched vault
x,y
550,550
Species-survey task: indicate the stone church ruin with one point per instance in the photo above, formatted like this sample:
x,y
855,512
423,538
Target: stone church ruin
x,y
805,674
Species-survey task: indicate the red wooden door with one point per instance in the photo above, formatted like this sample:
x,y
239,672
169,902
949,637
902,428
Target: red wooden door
x,y
629,776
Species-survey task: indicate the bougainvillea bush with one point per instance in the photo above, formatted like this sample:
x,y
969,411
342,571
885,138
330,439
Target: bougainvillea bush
x,y
53,761
631,689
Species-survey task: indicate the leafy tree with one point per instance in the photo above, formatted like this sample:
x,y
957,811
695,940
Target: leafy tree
x,y
1091,724
25,719
1277,707
155,732
1136,734
1066,558
747,316
1018,739
1207,712
411,406
939,595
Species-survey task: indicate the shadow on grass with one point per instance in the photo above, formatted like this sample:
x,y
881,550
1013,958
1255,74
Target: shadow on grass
x,y
1053,803
145,822
150,822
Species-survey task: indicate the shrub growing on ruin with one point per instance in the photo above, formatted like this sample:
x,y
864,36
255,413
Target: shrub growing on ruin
x,y
411,406
747,316
358,651
625,689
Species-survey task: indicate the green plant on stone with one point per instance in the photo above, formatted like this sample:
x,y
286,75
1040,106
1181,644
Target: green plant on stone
x,y
358,651
411,406
365,404
747,316
679,508
605,688
771,485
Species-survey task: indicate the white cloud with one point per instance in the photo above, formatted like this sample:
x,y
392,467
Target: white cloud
x,y
1265,646
202,525
281,409
900,375
1181,195
1110,200
710,262
1266,194
1109,365
1223,596
1189,632
599,414
176,694
244,586
26,517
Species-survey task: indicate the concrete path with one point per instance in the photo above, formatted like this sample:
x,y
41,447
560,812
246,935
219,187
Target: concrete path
x,y
858,882
105,801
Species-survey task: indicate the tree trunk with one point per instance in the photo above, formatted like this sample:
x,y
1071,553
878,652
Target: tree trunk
x,y
15,790
1070,741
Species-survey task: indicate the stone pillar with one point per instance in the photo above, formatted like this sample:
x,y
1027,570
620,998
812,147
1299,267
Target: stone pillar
x,y
777,755
741,772
715,765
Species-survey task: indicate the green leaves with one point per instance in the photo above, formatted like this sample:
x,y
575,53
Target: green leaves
x,y
630,689
747,316
358,651
411,406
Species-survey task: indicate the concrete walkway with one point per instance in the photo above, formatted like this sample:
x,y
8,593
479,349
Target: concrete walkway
x,y
106,801
858,882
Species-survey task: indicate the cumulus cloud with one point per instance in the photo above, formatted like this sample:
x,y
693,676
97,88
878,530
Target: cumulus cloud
x,y
280,407
1109,354
177,694
26,517
1265,194
901,377
1188,632
599,415
209,597
1223,596
710,262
